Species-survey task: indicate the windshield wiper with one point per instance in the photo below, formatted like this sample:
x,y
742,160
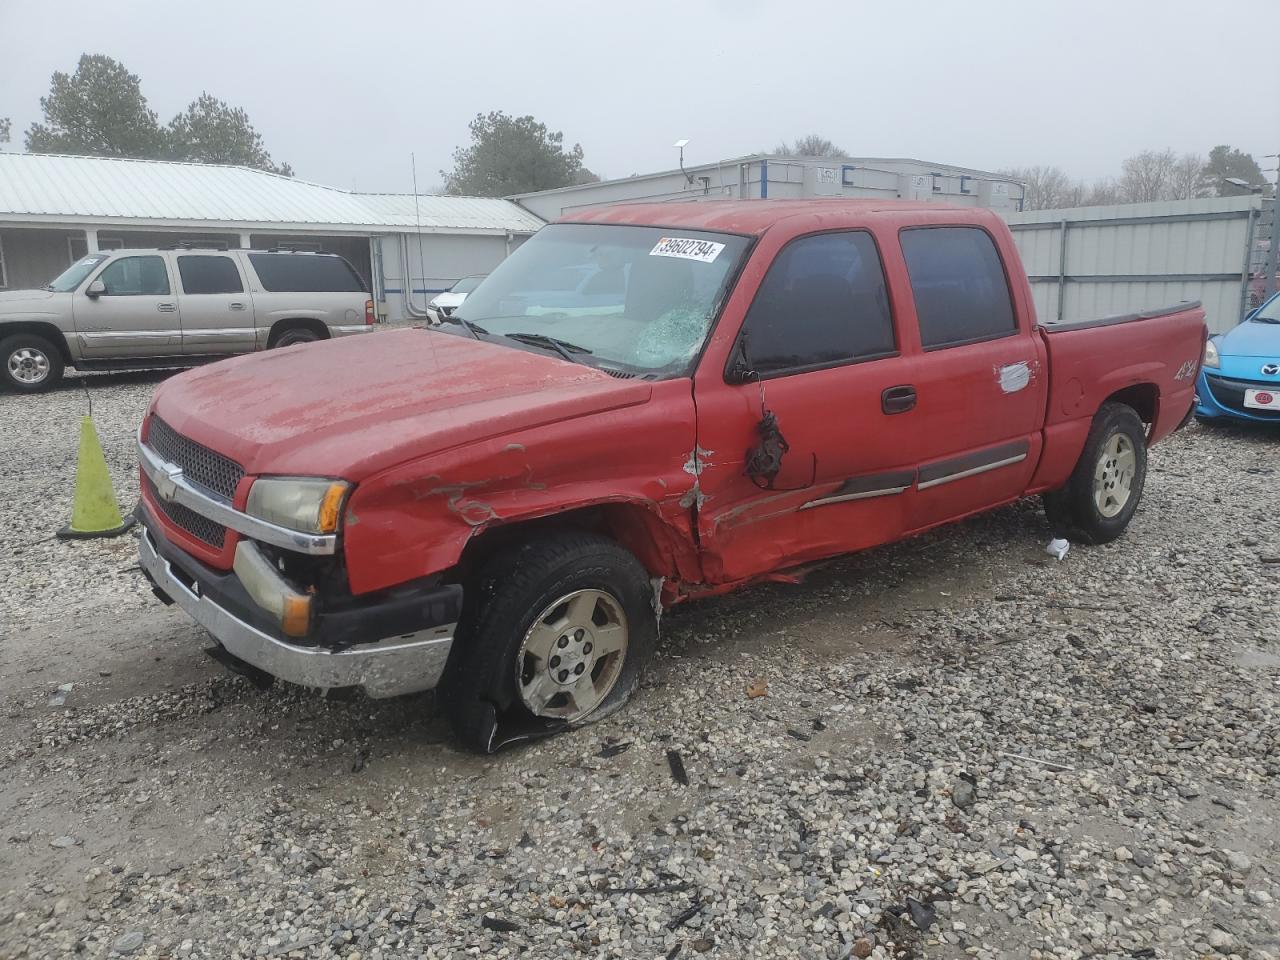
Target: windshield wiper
x,y
562,347
1266,320
472,328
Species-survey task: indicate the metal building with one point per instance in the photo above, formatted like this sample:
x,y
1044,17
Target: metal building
x,y
54,209
772,177
1087,262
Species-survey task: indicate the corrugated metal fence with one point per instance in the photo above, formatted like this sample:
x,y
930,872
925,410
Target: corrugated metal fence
x,y
1095,261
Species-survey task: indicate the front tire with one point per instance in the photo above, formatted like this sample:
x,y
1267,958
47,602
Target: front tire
x,y
29,363
557,636
1106,486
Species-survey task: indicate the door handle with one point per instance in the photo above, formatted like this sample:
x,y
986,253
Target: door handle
x,y
166,307
898,399
237,305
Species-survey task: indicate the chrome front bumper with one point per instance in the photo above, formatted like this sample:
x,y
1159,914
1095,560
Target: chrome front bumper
x,y
384,668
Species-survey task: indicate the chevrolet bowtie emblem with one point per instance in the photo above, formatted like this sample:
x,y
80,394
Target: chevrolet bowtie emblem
x,y
167,483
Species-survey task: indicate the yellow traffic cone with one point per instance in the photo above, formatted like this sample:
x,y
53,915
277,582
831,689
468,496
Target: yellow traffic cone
x,y
94,512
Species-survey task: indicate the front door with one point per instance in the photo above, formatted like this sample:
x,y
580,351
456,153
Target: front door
x,y
137,314
820,341
217,312
979,378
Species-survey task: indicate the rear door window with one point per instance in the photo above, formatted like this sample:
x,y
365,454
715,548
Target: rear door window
x,y
202,274
305,273
136,277
822,303
959,286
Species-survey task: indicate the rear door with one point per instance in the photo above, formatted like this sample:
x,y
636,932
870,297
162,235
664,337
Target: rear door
x,y
979,377
217,312
136,317
820,339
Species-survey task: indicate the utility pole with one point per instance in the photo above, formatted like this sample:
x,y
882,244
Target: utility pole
x,y
1273,253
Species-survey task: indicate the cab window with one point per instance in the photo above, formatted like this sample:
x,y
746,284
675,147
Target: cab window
x,y
959,286
136,277
822,303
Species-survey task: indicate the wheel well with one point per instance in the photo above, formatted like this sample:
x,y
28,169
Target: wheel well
x,y
281,327
630,525
1143,397
46,330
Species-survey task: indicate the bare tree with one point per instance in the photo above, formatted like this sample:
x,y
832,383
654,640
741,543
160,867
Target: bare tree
x,y
1103,193
1148,176
810,146
1047,188
1188,182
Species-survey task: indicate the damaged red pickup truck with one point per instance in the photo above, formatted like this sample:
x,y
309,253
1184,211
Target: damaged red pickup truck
x,y
642,404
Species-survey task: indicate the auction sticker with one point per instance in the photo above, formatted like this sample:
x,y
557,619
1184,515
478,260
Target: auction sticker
x,y
686,248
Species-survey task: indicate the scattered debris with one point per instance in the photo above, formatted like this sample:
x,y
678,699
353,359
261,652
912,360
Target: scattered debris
x,y
799,735
1057,548
922,914
758,688
59,696
128,943
965,791
682,918
490,922
613,749
62,843
1047,763
357,764
678,773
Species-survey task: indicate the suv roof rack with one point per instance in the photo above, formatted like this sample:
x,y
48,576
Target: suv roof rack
x,y
318,253
196,245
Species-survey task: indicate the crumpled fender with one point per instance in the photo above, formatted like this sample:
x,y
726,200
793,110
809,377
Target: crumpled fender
x,y
415,519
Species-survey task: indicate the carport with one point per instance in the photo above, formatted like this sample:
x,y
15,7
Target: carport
x,y
55,209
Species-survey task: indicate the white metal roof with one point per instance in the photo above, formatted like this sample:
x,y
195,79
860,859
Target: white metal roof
x,y
52,188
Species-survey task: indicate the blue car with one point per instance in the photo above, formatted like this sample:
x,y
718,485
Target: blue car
x,y
1241,373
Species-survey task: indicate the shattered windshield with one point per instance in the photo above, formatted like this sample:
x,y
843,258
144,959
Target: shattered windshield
x,y
641,298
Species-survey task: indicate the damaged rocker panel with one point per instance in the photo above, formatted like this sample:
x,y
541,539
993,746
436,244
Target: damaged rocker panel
x,y
864,488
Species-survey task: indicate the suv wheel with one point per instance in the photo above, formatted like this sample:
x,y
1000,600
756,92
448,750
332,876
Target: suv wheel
x,y
1104,490
558,635
296,335
29,363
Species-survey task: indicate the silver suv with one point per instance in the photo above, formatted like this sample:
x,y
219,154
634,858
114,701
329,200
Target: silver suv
x,y
123,309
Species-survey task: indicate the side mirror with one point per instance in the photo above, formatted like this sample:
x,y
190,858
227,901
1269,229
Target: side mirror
x,y
95,290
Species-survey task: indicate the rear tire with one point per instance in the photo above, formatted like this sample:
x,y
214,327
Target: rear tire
x,y
296,335
29,363
1106,486
575,600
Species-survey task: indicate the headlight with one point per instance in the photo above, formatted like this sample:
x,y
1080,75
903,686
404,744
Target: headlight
x,y
312,505
1211,354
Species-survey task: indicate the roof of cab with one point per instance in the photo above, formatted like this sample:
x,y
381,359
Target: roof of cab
x,y
750,217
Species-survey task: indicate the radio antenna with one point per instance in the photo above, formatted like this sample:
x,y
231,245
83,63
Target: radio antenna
x,y
417,221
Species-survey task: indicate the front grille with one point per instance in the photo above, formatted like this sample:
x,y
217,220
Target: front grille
x,y
199,464
202,528
1230,393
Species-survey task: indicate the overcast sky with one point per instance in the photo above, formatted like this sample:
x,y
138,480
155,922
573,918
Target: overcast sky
x,y
344,91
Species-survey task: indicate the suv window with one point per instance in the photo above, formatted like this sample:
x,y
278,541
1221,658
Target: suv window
x,y
959,286
305,273
823,302
136,277
209,275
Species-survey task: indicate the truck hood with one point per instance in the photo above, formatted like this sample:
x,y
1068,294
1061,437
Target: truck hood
x,y
357,405
19,298
1252,340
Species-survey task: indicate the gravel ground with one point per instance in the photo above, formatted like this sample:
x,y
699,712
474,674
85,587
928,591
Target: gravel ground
x,y
962,748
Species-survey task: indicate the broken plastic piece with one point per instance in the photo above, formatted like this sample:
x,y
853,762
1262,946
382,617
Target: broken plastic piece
x,y
1058,548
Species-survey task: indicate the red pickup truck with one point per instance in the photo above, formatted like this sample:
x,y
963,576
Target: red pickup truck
x,y
642,404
